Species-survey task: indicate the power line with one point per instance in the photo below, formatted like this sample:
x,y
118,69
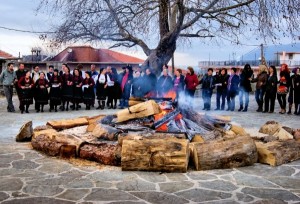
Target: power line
x,y
26,31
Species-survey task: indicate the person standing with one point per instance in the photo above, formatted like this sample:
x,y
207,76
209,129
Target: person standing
x,y
261,81
20,73
55,91
297,91
101,88
137,85
221,84
164,83
191,82
42,95
8,77
207,82
50,72
35,75
271,89
126,84
77,89
25,85
66,89
245,87
88,90
150,83
116,91
283,88
178,83
233,89
292,99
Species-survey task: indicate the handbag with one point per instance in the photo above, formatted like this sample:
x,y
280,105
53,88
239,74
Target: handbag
x,y
282,90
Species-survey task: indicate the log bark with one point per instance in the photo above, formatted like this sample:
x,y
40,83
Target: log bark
x,y
93,121
166,155
69,123
25,132
225,153
278,152
104,152
106,132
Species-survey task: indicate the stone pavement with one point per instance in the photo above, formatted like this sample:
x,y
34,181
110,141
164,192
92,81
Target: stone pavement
x,y
27,176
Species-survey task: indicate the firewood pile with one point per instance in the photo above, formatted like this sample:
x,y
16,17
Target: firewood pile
x,y
158,135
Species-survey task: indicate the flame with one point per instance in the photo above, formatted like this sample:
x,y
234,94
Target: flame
x,y
170,94
164,127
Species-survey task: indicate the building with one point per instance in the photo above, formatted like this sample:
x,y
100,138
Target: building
x,y
4,58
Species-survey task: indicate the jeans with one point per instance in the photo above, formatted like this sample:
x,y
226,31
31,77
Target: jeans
x,y
231,100
259,97
243,93
8,92
206,95
282,100
221,94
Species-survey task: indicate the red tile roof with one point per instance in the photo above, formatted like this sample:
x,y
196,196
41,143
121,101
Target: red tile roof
x,y
90,54
6,55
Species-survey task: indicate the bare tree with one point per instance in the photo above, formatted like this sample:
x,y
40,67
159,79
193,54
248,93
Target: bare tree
x,y
156,25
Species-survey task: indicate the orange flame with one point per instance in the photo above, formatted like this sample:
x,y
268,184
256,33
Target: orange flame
x,y
170,94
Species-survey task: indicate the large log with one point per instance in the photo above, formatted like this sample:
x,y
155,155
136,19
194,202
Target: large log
x,y
103,152
278,152
69,123
93,122
166,155
275,129
25,132
225,153
138,111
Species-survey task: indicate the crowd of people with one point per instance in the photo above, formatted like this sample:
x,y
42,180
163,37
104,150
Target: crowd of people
x,y
66,89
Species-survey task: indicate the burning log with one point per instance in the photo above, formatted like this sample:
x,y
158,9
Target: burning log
x,y
167,117
225,153
138,111
278,152
65,124
167,155
106,132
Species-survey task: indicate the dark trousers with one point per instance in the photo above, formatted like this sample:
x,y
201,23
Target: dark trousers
x,y
282,100
206,95
221,94
8,92
270,101
259,97
243,93
231,100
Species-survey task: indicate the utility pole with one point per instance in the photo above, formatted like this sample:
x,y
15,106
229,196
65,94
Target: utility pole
x,y
262,54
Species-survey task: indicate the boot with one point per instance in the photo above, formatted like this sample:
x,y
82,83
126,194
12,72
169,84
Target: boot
x,y
42,108
22,109
290,109
67,108
77,106
99,106
241,108
55,108
296,109
245,109
63,106
26,111
103,105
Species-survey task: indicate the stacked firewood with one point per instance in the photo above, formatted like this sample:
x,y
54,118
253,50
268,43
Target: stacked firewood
x,y
149,136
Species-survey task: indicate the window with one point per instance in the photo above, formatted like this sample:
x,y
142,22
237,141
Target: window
x,y
290,56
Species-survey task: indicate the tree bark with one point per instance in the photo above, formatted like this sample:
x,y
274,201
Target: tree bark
x,y
228,153
67,123
278,152
167,155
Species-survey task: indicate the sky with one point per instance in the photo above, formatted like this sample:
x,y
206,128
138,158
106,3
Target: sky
x,y
22,15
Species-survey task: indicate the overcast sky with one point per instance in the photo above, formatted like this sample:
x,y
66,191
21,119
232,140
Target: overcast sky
x,y
21,15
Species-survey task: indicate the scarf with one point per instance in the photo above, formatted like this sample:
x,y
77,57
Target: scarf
x,y
124,80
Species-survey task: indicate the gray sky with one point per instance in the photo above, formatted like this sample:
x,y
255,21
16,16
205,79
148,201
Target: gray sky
x,y
21,14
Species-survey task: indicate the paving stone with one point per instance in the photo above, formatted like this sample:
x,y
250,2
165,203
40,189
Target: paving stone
x,y
154,177
176,176
127,202
3,196
19,194
271,194
244,197
101,194
55,167
56,181
223,202
74,194
201,195
201,175
135,185
268,171
5,165
269,201
172,187
38,200
286,182
80,183
32,155
104,184
10,184
111,175
218,185
159,197
252,181
42,190
25,164
31,174
10,171
8,158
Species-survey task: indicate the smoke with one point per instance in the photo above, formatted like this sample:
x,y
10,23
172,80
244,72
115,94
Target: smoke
x,y
184,100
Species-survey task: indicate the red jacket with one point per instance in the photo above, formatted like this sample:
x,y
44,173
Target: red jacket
x,y
191,81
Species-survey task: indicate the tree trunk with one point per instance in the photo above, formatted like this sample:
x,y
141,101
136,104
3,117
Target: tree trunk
x,y
278,152
229,153
167,155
